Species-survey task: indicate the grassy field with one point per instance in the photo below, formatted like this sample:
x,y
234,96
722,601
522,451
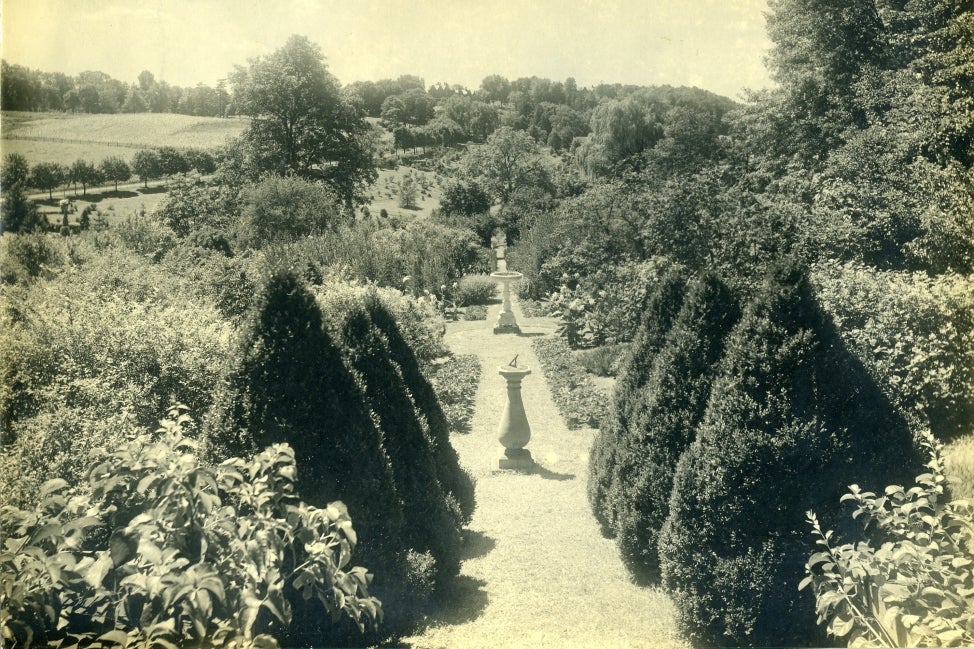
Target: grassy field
x,y
65,137
385,191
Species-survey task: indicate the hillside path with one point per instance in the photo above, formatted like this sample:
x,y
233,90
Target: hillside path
x,y
537,572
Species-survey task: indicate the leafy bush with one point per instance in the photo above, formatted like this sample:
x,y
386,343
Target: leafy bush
x,y
665,422
916,588
190,205
145,236
26,256
790,406
284,209
477,312
455,380
474,289
959,462
579,401
168,552
915,334
603,361
89,353
417,319
657,316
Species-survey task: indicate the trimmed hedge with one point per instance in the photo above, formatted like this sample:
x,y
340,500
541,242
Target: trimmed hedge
x,y
792,414
659,313
673,402
291,385
429,525
454,480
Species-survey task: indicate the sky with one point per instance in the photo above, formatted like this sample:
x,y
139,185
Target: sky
x,y
718,45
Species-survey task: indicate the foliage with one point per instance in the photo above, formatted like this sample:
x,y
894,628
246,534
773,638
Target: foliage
x,y
466,198
664,423
47,176
146,164
89,352
115,169
166,551
17,212
915,588
578,399
605,360
284,209
455,379
84,172
914,334
302,124
431,522
790,405
191,205
474,289
658,314
290,384
456,483
507,161
27,256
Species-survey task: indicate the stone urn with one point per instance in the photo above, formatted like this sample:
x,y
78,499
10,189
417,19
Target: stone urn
x,y
506,323
514,431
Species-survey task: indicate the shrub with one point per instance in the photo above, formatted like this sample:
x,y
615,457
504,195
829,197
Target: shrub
x,y
915,334
284,209
145,236
916,588
478,312
665,422
658,314
603,361
579,401
474,289
89,354
791,414
291,385
429,525
26,256
191,205
455,481
168,552
455,379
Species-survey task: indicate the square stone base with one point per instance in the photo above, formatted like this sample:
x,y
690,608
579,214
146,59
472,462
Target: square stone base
x,y
507,329
517,459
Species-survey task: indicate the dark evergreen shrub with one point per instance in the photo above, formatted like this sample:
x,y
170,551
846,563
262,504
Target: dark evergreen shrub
x,y
792,418
665,424
429,525
660,310
456,482
290,384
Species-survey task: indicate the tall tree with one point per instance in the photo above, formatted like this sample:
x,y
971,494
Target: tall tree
x,y
47,175
145,162
301,121
116,170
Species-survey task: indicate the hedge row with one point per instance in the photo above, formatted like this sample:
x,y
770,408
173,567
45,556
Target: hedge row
x,y
725,429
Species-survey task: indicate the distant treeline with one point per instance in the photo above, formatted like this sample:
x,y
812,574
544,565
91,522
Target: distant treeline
x,y
553,112
96,92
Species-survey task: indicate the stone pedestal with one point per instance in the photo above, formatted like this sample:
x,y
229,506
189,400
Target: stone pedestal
x,y
506,323
514,431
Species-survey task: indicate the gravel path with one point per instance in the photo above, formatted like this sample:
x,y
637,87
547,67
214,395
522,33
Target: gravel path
x,y
537,572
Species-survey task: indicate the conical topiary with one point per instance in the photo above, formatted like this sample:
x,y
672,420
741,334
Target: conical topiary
x,y
429,525
455,481
665,422
291,385
661,308
792,419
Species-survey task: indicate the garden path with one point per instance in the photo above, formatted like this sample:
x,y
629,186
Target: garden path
x,y
537,573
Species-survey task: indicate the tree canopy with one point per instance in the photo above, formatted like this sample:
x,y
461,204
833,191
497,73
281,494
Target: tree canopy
x,y
302,123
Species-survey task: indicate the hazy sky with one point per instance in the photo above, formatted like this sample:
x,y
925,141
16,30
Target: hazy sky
x,y
714,44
